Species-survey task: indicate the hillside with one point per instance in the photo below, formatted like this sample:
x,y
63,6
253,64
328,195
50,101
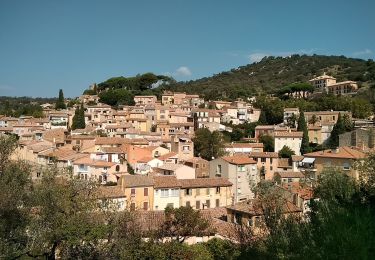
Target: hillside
x,y
272,73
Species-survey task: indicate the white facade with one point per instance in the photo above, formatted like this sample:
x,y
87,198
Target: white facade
x,y
166,197
293,143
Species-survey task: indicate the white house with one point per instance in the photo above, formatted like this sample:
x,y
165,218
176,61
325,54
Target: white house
x,y
291,139
166,192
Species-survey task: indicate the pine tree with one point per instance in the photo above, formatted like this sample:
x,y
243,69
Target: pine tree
x,y
302,126
60,104
338,129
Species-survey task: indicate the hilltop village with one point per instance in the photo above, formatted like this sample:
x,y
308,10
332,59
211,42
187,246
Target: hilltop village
x,y
172,152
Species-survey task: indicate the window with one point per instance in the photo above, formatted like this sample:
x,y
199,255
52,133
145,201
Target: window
x,y
290,180
175,193
263,160
217,203
241,168
164,193
185,148
238,178
217,190
197,192
132,206
346,166
208,191
188,204
239,190
208,204
145,192
271,168
197,204
145,205
132,192
117,168
188,192
218,169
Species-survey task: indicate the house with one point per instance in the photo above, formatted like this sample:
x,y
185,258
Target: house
x,y
323,117
267,163
205,193
315,134
289,113
288,177
201,166
203,115
139,191
145,165
166,192
179,170
239,170
291,139
234,148
250,213
342,158
183,146
328,84
145,100
112,198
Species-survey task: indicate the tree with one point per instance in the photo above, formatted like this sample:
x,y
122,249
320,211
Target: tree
x,y
302,126
286,152
208,145
181,223
262,118
79,118
8,145
348,124
114,97
338,129
291,121
268,143
60,104
313,120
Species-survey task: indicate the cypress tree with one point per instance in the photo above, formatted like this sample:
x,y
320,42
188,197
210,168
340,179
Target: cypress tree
x,y
262,118
60,104
79,118
302,126
338,129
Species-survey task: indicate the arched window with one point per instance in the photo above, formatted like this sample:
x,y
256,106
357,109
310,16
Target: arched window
x,y
117,168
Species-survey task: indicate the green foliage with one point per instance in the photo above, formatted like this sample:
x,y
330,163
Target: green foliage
x,y
115,97
60,104
79,118
296,87
272,73
89,92
208,145
338,129
222,249
302,126
130,168
268,143
17,106
286,152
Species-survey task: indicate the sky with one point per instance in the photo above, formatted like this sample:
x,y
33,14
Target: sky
x,y
48,45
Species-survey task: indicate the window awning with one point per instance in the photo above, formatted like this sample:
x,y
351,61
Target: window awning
x,y
308,160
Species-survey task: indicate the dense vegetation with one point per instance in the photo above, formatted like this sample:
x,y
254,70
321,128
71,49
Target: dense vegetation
x,y
272,74
17,106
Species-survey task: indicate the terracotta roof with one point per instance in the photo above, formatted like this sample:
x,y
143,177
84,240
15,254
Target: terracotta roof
x,y
109,140
146,159
112,150
297,158
263,155
167,156
110,192
264,127
55,134
238,159
205,183
283,163
290,174
254,207
344,152
289,134
166,182
171,166
244,145
131,181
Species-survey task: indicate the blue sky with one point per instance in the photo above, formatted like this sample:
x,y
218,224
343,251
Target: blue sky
x,y
48,45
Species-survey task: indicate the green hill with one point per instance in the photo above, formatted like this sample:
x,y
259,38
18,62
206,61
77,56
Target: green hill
x,y
272,73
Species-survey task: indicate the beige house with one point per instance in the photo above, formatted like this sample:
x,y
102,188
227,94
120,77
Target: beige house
x,y
267,163
201,166
205,193
145,100
342,158
328,84
239,170
139,191
179,170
